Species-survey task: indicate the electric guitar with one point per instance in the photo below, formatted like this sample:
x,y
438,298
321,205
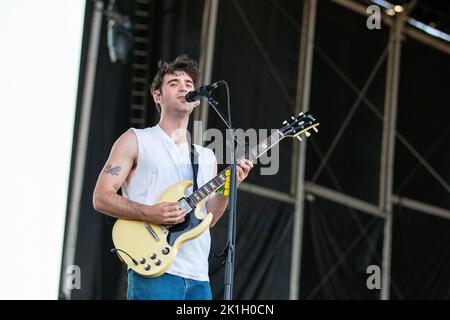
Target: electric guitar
x,y
150,249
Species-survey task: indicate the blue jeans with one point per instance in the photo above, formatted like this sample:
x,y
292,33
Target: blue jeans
x,y
166,287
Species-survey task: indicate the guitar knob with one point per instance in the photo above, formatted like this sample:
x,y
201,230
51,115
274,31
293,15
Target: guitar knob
x,y
153,256
142,260
158,262
165,251
147,267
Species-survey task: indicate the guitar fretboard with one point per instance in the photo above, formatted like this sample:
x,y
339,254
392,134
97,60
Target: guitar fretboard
x,y
219,180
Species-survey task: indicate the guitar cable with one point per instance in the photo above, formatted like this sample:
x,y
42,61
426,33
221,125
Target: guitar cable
x,y
134,261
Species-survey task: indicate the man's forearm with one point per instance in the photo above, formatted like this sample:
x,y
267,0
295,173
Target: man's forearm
x,y
119,207
115,205
216,205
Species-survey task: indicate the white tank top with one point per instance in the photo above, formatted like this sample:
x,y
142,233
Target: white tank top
x,y
160,164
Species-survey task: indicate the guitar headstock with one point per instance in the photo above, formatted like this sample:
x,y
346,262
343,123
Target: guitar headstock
x,y
299,125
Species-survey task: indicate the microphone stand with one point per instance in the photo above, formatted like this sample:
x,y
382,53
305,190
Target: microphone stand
x,y
229,249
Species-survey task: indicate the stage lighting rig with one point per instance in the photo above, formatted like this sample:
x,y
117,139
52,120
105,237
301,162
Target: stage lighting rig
x,y
120,35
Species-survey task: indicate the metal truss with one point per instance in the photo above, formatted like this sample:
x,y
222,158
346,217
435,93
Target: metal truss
x,y
300,188
79,162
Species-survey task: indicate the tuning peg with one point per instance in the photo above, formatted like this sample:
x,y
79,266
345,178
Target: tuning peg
x,y
299,138
285,122
315,129
307,134
292,118
300,114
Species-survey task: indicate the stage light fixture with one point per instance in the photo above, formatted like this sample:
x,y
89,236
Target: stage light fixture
x,y
398,9
119,36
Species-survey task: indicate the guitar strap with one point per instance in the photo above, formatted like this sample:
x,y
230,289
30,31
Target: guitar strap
x,y
194,163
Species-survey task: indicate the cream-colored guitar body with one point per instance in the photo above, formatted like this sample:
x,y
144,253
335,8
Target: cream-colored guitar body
x,y
147,244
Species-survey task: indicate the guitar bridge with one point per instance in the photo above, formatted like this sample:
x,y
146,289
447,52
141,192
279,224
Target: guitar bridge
x,y
152,232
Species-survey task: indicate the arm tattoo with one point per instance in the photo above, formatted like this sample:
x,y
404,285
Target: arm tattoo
x,y
112,170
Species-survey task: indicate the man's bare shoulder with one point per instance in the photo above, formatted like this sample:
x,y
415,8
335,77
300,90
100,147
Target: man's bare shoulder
x,y
127,143
128,136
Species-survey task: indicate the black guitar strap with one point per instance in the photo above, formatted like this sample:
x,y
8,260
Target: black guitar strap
x,y
194,163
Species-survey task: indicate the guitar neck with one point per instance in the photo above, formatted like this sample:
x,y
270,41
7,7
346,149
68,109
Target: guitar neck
x,y
219,180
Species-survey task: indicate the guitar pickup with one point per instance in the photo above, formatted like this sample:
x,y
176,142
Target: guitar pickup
x,y
184,205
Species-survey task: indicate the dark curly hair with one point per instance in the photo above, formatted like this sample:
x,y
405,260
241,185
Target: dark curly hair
x,y
181,63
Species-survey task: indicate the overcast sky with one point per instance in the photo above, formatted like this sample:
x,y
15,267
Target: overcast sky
x,y
39,63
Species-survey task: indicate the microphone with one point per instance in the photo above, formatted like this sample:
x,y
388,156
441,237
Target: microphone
x,y
203,91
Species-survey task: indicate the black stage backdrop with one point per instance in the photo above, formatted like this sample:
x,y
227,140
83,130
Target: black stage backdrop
x,y
256,52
